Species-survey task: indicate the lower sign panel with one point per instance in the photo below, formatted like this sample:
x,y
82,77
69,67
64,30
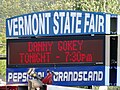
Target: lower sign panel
x,y
66,76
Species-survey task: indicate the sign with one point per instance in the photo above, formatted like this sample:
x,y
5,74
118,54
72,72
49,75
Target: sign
x,y
58,22
56,50
67,76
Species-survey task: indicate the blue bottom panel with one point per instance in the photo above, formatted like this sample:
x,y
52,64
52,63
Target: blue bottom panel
x,y
67,76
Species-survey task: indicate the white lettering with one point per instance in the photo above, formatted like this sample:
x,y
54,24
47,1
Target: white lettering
x,y
35,23
101,24
15,27
78,23
79,76
10,24
61,14
25,77
75,76
60,76
67,24
85,76
19,76
15,76
56,78
100,76
73,15
20,24
65,76
48,15
91,27
27,25
56,27
95,77
41,24
70,76
58,23
90,74
96,24
9,77
87,15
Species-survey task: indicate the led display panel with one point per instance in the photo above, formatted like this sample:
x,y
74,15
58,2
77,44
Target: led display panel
x,y
56,50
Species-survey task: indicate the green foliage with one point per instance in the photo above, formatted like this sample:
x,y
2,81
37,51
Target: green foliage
x,y
108,6
3,69
11,8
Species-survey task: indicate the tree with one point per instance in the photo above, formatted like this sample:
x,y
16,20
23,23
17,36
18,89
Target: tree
x,y
108,6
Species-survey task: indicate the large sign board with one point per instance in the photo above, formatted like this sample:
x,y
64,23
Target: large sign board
x,y
63,41
56,50
59,22
67,76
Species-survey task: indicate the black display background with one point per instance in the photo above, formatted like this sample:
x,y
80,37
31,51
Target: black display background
x,y
93,48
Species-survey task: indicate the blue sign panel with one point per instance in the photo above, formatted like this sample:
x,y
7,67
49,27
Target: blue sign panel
x,y
67,76
59,22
